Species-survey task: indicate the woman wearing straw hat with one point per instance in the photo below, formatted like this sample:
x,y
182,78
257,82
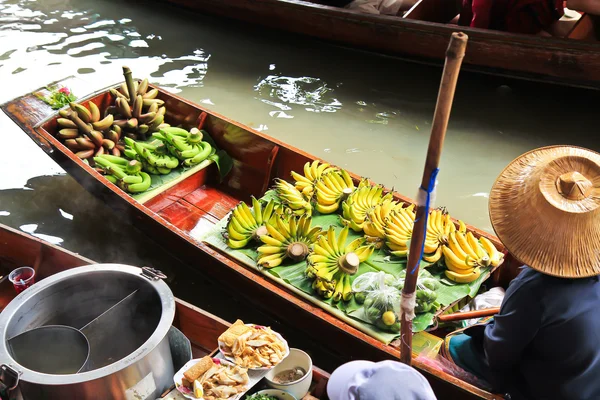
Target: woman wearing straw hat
x,y
545,342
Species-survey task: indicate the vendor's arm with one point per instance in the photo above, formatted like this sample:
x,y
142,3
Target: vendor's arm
x,y
516,324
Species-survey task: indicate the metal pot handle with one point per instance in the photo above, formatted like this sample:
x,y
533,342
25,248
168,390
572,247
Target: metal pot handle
x,y
152,274
9,380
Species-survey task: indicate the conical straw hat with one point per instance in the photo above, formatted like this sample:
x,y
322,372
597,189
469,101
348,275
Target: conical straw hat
x,y
545,208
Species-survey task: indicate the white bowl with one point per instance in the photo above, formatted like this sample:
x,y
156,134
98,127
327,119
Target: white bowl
x,y
280,394
299,388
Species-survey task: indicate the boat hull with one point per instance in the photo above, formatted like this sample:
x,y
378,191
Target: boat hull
x,y
557,60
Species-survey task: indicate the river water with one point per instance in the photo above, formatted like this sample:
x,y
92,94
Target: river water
x,y
368,113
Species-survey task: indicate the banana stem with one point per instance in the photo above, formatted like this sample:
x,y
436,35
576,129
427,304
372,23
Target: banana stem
x,y
129,83
297,251
349,263
261,231
82,126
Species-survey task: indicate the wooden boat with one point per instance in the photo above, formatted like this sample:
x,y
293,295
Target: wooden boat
x,y
572,58
201,201
200,327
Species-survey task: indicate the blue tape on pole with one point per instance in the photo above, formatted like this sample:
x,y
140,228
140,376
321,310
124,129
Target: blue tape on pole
x,y
430,188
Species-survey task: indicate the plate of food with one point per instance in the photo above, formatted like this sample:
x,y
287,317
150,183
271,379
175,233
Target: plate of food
x,y
251,346
211,379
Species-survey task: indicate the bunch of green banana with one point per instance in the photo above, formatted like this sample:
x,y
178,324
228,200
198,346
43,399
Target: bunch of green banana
x,y
153,156
439,226
332,188
128,175
398,230
292,198
136,110
312,172
375,221
290,238
245,225
84,133
360,202
464,255
332,263
186,146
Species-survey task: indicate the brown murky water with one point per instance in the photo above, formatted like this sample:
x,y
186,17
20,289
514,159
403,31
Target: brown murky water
x,y
367,113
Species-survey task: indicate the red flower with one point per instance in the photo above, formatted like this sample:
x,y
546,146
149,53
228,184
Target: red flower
x,y
64,90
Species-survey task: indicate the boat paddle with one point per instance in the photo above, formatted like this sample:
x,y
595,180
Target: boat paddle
x,y
454,57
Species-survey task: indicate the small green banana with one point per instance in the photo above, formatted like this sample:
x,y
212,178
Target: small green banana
x,y
182,155
142,186
206,148
133,167
172,130
132,179
115,160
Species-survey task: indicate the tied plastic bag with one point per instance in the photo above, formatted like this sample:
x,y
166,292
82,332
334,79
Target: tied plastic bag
x,y
368,282
382,305
427,287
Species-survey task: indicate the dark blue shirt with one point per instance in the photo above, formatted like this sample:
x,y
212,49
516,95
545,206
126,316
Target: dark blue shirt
x,y
546,338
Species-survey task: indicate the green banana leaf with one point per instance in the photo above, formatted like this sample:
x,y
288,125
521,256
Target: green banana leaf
x,y
160,183
292,276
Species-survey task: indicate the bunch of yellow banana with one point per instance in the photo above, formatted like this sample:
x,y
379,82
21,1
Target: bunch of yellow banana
x,y
464,255
359,203
331,189
292,198
439,226
332,263
312,172
245,225
398,230
376,219
292,238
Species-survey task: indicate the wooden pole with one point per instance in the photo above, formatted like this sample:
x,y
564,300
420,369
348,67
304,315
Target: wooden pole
x,y
454,57
460,316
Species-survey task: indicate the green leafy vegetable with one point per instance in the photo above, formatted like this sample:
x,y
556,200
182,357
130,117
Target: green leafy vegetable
x,y
58,97
261,397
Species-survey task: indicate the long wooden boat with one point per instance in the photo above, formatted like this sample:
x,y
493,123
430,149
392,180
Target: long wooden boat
x,y
200,201
200,327
572,58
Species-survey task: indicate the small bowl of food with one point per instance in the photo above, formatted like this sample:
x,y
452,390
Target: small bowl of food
x,y
271,394
293,374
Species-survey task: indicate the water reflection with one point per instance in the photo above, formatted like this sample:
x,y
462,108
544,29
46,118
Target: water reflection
x,y
313,93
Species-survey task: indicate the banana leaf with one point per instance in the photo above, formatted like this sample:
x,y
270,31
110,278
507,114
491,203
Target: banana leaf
x,y
293,276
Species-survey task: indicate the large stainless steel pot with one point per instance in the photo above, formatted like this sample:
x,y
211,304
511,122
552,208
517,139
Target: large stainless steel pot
x,y
132,357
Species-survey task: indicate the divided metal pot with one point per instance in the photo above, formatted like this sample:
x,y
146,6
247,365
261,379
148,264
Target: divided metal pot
x,y
125,312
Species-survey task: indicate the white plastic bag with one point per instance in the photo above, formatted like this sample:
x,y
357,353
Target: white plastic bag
x,y
491,298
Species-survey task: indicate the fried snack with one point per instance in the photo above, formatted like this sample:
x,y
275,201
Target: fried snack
x,y
215,380
224,381
196,371
252,347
